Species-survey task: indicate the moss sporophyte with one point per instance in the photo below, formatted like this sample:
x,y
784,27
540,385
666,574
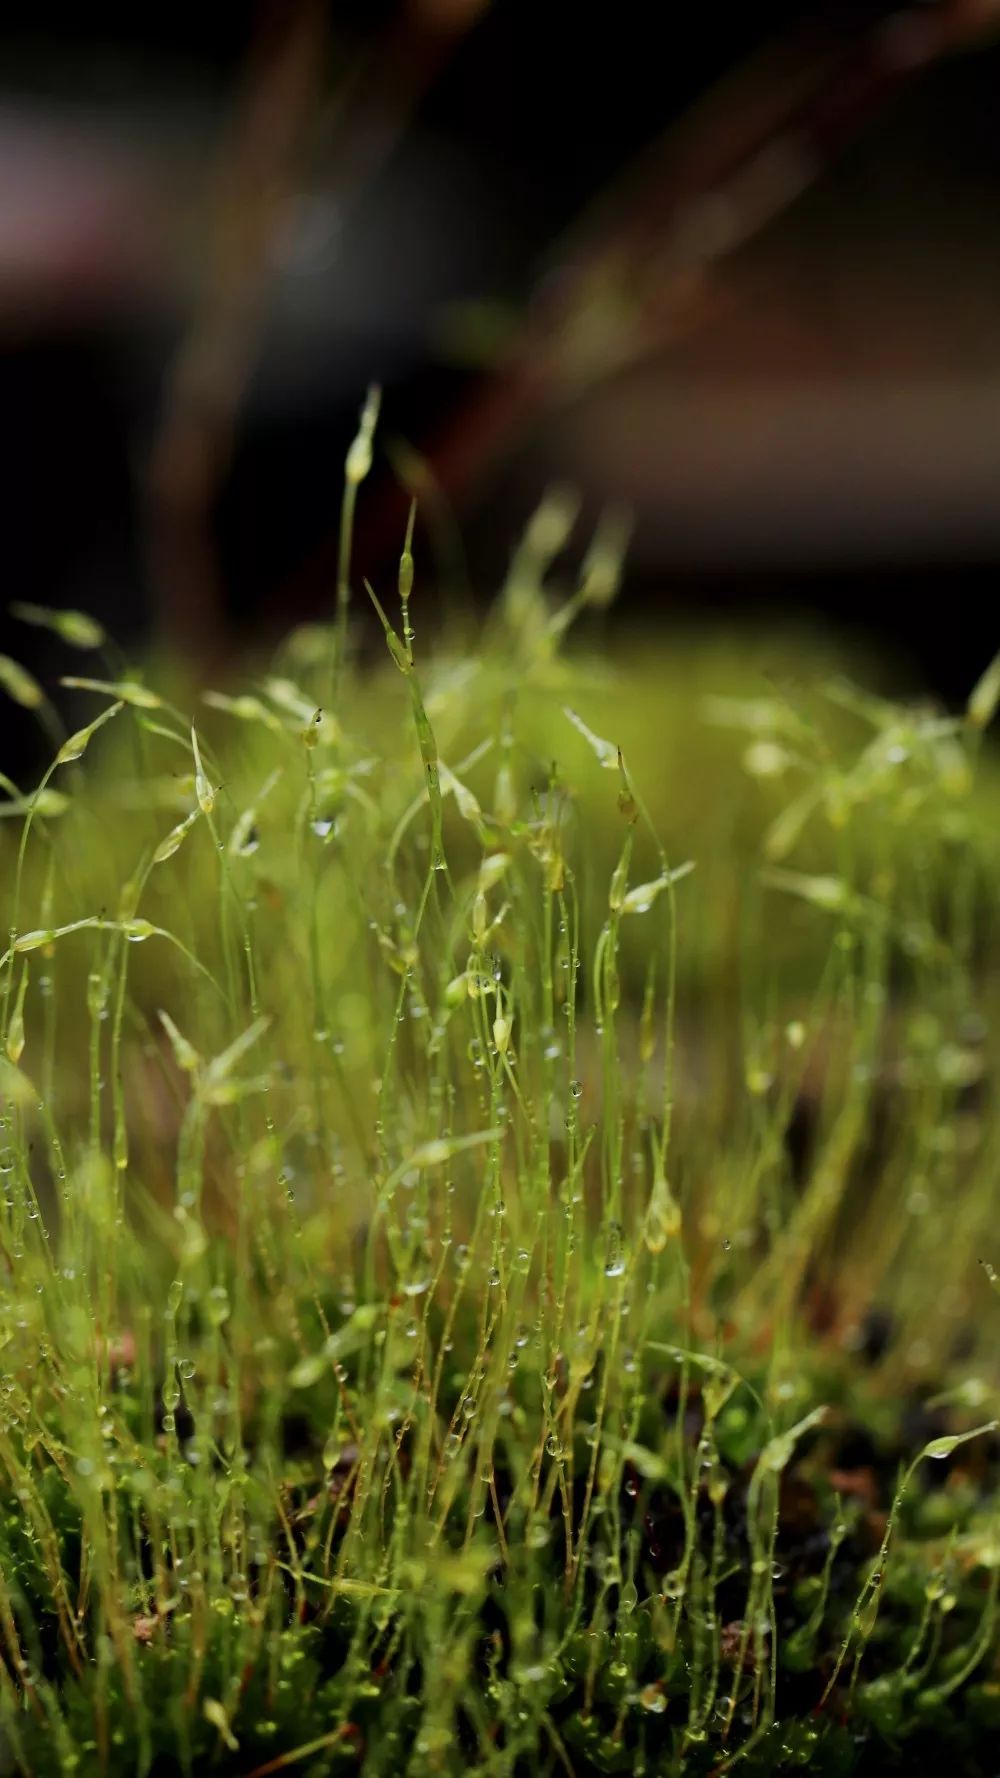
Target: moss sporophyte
x,y
497,1203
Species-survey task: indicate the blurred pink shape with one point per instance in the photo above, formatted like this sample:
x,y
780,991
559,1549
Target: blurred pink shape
x,y
78,224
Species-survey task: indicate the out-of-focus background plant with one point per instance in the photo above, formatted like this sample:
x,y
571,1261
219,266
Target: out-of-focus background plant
x,y
737,276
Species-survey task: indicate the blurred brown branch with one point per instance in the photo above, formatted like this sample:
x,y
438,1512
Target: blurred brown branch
x,y
256,172
283,124
646,266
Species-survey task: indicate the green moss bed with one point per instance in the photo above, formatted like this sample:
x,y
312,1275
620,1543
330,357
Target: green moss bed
x,y
499,1203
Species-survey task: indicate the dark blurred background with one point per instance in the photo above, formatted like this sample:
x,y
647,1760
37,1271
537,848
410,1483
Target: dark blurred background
x,y
739,272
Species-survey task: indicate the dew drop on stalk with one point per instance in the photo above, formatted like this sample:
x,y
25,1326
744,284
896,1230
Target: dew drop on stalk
x,y
614,1260
663,1216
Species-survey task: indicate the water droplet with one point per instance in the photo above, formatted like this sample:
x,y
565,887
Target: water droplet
x,y
614,1261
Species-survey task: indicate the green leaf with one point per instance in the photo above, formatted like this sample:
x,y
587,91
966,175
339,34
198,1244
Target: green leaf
x,y
215,1713
347,1339
640,899
222,1065
16,1085
605,751
787,826
47,801
167,847
75,627
186,1055
468,803
203,789
75,745
830,893
247,708
130,691
777,1453
943,1447
985,695
291,698
19,685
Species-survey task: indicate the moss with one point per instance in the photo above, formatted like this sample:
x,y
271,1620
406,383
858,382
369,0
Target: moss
x,y
477,1293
